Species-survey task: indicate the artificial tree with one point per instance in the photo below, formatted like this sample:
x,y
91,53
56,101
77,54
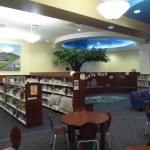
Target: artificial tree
x,y
77,56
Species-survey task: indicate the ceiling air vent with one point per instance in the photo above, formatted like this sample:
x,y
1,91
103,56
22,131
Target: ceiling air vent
x,y
35,26
3,25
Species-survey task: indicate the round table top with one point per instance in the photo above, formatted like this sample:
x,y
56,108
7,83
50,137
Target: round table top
x,y
81,117
138,148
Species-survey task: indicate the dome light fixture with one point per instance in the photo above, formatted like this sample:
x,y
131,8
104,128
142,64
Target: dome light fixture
x,y
113,9
32,38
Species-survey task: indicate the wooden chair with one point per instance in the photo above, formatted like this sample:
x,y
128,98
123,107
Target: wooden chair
x,y
15,137
147,111
87,133
57,131
148,143
107,126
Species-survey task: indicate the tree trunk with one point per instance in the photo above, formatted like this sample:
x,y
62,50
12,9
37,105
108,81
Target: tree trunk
x,y
76,66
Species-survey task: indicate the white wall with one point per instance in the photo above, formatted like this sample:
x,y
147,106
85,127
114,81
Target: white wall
x,y
145,59
121,61
38,57
42,57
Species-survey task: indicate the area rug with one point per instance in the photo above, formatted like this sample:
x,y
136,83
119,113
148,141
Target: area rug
x,y
105,99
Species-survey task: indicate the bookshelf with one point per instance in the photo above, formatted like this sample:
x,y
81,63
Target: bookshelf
x,y
143,82
17,100
58,90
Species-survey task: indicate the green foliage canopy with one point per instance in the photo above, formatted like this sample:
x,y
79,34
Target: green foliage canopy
x,y
76,57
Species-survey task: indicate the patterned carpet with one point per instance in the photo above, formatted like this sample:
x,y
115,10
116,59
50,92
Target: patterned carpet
x,y
105,98
127,128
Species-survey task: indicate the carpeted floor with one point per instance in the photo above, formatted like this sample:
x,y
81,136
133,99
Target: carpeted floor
x,y
127,128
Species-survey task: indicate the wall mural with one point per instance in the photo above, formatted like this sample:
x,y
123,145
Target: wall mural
x,y
9,57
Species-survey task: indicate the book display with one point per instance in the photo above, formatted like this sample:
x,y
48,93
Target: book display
x,y
16,99
57,90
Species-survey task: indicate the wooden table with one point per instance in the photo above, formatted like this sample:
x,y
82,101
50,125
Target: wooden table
x,y
138,148
76,119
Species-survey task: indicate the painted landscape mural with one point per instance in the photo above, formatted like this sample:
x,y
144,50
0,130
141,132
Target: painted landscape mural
x,y
9,57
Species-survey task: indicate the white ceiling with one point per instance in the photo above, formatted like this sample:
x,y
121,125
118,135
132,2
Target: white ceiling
x,y
16,24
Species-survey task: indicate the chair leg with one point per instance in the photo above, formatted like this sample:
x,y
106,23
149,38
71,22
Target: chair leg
x,y
109,140
97,143
51,138
93,141
80,145
94,145
146,127
66,135
54,142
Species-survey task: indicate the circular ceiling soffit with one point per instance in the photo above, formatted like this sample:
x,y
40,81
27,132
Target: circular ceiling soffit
x,y
87,40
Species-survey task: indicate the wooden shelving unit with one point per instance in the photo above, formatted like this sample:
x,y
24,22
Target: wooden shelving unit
x,y
17,99
61,91
58,91
111,82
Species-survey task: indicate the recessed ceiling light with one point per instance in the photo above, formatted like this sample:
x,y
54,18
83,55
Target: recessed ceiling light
x,y
137,11
78,29
78,25
110,27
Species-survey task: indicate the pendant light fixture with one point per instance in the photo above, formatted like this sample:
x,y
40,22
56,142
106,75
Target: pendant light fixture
x,y
31,37
113,9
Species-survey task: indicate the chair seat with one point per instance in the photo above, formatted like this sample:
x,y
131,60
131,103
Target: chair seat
x,y
59,130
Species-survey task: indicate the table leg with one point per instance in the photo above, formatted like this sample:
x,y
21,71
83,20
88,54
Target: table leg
x,y
102,133
71,131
